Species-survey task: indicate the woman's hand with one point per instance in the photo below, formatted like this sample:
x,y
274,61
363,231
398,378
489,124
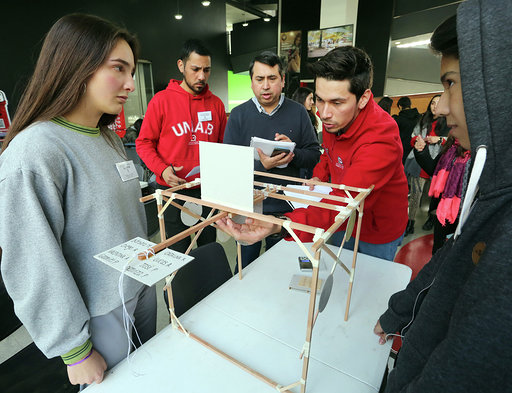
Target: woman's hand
x,y
420,143
91,370
432,139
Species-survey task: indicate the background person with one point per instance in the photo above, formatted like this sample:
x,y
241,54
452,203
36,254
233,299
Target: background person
x,y
62,200
406,119
386,103
304,96
430,132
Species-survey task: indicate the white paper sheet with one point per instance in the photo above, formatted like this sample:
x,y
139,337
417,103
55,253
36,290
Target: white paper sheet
x,y
268,146
227,173
297,205
148,271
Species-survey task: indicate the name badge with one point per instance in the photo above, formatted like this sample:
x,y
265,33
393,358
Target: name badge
x,y
127,170
204,116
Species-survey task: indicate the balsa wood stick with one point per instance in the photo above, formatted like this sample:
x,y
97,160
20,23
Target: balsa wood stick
x,y
309,329
170,298
273,194
171,189
319,183
198,233
160,246
161,221
257,216
354,258
304,192
236,362
337,223
239,257
336,258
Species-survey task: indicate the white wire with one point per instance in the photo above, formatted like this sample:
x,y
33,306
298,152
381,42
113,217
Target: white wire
x,y
401,335
127,319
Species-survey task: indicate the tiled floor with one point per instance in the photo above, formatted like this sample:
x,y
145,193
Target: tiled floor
x,y
19,339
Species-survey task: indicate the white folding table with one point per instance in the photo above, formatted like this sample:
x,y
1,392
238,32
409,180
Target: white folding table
x,y
262,323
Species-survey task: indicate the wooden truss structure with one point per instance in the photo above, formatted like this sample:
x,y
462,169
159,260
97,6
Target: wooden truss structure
x,y
351,204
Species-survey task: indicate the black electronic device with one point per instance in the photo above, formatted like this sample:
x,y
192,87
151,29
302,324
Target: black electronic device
x,y
305,263
279,150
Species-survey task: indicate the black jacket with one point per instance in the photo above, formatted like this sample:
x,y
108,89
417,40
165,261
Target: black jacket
x,y
459,339
406,120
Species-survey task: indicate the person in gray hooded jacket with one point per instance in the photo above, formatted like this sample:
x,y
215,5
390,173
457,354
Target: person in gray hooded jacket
x,y
455,317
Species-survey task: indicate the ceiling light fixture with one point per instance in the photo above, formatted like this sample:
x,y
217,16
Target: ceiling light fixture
x,y
266,19
245,24
205,3
177,15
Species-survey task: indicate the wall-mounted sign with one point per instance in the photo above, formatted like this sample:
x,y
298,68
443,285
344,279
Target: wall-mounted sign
x,y
290,49
322,41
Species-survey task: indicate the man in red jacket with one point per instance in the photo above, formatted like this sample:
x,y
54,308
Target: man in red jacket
x,y
177,118
361,147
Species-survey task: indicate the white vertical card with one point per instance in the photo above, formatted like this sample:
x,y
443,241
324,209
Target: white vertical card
x,y
227,174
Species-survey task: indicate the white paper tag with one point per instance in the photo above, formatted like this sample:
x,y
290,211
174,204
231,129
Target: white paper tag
x,y
127,170
204,116
147,271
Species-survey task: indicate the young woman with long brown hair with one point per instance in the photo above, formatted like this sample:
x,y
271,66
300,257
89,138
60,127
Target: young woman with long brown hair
x,y
62,200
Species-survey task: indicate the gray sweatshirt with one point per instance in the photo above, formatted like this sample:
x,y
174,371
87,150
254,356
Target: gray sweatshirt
x,y
459,339
62,201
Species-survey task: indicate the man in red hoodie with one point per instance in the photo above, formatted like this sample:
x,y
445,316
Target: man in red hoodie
x,y
177,118
361,148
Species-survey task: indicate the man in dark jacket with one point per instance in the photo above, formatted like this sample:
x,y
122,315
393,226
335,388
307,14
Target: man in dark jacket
x,y
455,317
406,119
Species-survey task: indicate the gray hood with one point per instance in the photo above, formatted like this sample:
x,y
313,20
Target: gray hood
x,y
487,90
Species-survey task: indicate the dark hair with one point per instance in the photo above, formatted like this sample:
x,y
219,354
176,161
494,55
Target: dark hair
x,y
386,103
268,58
449,142
193,45
428,117
444,38
73,50
403,103
300,96
346,63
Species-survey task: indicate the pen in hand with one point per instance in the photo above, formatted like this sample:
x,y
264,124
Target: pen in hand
x,y
170,177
